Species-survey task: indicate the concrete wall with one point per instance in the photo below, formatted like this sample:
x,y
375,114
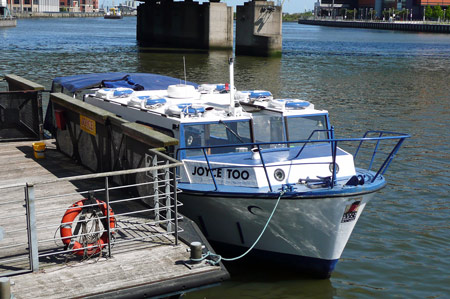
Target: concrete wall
x,y
184,25
26,15
220,25
8,23
258,29
113,144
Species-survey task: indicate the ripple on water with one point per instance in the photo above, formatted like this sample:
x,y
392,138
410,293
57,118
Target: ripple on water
x,y
367,79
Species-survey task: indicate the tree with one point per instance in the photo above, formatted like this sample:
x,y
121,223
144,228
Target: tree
x,y
438,13
350,14
428,12
372,13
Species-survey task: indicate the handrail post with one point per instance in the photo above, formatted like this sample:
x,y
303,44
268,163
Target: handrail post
x,y
108,215
167,195
264,167
175,200
31,227
375,150
333,178
360,143
155,187
209,168
388,160
392,155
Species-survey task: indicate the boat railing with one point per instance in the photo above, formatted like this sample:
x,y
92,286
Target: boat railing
x,y
30,229
330,131
370,143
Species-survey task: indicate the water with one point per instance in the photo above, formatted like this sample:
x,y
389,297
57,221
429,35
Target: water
x,y
367,79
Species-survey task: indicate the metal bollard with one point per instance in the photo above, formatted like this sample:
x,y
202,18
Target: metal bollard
x,y
196,251
5,288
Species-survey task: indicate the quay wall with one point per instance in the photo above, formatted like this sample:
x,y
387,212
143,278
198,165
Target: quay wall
x,y
402,26
27,15
8,23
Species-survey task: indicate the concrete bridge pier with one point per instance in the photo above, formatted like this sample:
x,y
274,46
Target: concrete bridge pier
x,y
258,29
188,24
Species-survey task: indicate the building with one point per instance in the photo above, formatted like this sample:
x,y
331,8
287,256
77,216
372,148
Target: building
x,y
33,5
87,5
414,8
69,5
17,6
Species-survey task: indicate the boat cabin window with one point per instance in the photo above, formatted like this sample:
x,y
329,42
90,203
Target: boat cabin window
x,y
268,126
211,135
307,127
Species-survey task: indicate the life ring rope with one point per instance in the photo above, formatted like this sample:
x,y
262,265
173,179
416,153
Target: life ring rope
x,y
88,246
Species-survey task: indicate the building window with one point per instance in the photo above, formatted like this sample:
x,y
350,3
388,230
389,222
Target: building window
x,y
26,2
16,2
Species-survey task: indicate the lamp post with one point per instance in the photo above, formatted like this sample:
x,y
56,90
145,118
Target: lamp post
x,y
332,10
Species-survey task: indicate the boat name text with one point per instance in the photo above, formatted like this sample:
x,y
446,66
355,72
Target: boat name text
x,y
219,173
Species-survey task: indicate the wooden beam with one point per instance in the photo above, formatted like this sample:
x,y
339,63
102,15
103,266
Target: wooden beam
x,y
17,83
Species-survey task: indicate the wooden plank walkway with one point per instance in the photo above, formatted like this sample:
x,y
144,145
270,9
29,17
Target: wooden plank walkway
x,y
144,262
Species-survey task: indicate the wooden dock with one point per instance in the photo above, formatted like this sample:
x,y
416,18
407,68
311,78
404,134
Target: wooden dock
x,y
145,260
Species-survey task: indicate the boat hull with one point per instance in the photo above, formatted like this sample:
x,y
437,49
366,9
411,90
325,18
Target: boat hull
x,y
307,233
113,17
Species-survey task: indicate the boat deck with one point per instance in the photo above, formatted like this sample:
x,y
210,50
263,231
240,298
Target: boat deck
x,y
145,261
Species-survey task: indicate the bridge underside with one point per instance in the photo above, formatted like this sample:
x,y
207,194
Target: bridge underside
x,y
209,26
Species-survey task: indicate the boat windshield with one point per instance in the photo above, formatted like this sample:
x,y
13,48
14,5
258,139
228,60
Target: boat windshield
x,y
307,127
214,134
268,126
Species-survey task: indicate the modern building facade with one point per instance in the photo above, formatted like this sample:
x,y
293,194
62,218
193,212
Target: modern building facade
x,y
33,5
20,6
414,8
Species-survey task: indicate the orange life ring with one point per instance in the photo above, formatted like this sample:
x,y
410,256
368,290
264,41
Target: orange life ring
x,y
66,229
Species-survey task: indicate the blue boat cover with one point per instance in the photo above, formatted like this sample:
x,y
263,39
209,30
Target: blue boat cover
x,y
137,81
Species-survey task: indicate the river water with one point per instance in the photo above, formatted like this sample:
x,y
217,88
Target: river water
x,y
367,79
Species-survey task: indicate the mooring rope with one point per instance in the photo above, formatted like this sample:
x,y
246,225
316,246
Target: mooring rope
x,y
218,257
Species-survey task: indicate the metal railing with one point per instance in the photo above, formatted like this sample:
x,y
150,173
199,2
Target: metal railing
x,y
21,115
391,140
138,214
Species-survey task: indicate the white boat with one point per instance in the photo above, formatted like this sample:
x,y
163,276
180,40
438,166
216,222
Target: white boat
x,y
247,156
113,13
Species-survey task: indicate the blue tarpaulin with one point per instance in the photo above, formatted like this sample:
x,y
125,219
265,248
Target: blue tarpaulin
x,y
136,81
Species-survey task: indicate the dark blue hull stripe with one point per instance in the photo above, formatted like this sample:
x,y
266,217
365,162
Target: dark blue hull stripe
x,y
308,266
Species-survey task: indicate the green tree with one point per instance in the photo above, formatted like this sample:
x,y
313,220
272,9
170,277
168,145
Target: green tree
x,y
372,14
438,13
428,12
349,14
